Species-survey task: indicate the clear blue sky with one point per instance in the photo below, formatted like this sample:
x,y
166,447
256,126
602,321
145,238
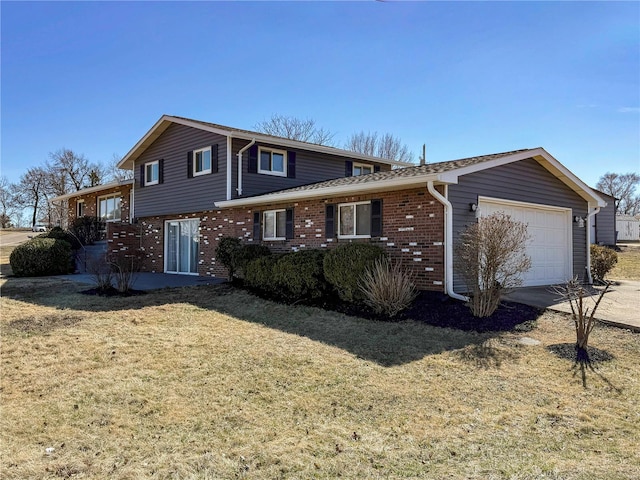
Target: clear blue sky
x,y
464,78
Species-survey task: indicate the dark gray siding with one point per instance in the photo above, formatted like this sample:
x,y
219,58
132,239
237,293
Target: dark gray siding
x,y
178,193
523,181
605,221
311,167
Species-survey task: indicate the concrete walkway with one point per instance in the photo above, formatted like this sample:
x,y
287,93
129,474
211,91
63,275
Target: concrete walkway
x,y
150,281
620,305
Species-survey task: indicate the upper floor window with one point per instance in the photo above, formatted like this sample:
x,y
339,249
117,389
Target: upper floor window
x,y
109,207
362,169
354,220
151,173
275,225
202,161
272,162
80,208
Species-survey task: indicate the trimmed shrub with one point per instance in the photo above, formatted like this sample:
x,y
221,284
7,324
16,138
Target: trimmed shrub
x,y
226,251
245,254
344,266
41,256
603,259
387,287
259,273
58,233
87,229
300,275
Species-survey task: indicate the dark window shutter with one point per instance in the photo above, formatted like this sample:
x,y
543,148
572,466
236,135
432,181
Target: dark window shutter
x,y
214,158
256,226
161,170
376,218
289,224
348,168
376,168
329,221
190,164
142,175
253,159
291,164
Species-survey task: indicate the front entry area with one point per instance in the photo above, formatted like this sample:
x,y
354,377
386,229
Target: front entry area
x,y
550,244
182,246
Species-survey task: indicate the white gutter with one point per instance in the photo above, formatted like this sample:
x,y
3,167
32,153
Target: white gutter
x,y
589,215
242,150
229,165
448,242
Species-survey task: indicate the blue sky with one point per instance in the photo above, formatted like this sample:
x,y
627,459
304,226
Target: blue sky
x,y
464,78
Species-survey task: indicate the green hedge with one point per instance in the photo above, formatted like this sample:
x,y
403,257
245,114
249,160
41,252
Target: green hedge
x,y
603,259
58,233
345,265
300,275
42,256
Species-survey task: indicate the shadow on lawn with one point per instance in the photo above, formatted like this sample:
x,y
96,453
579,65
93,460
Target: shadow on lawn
x,y
385,343
584,361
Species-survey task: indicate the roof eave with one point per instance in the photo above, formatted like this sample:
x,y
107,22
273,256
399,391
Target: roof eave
x,y
86,191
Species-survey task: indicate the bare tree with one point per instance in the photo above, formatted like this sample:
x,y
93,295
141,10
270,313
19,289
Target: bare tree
x,y
115,174
491,255
295,128
7,210
622,186
384,146
72,171
31,191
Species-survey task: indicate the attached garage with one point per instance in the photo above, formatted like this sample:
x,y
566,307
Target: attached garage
x,y
550,244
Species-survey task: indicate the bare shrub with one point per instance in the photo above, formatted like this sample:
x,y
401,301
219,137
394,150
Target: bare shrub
x,y
491,255
603,259
387,287
125,267
579,297
100,271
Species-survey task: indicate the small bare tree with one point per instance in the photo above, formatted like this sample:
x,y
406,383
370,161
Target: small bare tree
x,y
385,146
295,128
577,294
491,255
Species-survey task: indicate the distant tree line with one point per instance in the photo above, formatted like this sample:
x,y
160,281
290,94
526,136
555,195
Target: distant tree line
x,y
63,172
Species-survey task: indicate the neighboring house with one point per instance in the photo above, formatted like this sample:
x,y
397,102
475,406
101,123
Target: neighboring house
x,y
196,182
603,227
628,228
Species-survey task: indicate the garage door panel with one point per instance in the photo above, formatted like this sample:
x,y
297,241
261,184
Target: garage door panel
x,y
550,240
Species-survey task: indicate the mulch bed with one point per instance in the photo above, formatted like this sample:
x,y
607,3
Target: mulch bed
x,y
112,292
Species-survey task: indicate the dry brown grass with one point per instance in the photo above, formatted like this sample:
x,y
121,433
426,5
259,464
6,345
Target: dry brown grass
x,y
209,382
628,266
5,253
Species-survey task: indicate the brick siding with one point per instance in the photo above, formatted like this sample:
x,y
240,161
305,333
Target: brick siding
x,y
91,202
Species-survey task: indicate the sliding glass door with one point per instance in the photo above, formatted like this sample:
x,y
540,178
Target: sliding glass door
x,y
182,246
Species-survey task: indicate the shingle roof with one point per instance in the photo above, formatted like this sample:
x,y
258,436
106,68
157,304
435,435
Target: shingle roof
x,y
406,172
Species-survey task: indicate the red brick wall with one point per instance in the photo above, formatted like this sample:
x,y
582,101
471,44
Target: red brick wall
x,y
412,232
123,237
91,202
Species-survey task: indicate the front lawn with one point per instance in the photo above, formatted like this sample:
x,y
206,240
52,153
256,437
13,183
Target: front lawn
x,y
211,382
628,266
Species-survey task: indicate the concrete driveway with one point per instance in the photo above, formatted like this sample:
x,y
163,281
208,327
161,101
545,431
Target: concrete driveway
x,y
620,305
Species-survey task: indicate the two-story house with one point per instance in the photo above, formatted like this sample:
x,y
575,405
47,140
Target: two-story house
x,y
196,182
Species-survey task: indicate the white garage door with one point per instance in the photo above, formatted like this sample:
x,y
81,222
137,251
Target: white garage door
x,y
550,244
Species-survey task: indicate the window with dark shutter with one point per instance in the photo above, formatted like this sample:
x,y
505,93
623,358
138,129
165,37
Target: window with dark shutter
x,y
256,226
142,175
161,170
190,164
252,167
291,164
376,218
214,158
289,224
329,221
348,168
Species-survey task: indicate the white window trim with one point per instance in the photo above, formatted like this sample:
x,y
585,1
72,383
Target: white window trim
x,y
361,165
103,197
78,203
272,151
264,224
148,182
166,247
355,220
195,163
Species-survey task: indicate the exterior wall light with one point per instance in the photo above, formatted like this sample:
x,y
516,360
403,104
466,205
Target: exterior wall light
x,y
473,207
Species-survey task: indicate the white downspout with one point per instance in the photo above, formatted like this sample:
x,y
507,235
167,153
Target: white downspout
x,y
589,216
448,242
242,150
